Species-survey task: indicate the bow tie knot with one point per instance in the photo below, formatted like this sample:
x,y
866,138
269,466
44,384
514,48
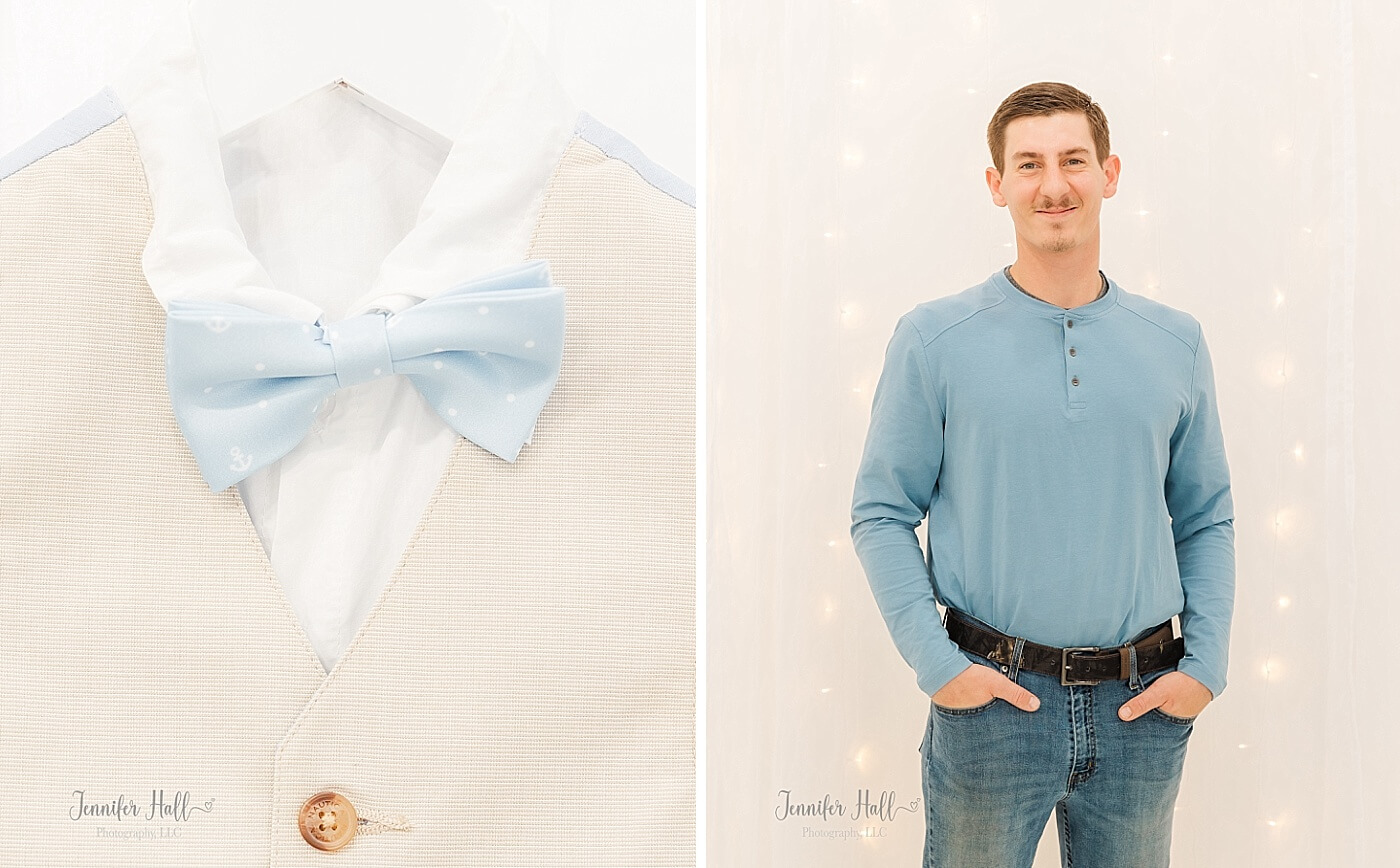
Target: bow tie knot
x,y
244,384
359,348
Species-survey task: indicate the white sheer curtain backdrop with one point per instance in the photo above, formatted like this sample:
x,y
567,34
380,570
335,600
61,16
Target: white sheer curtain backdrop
x,y
1258,192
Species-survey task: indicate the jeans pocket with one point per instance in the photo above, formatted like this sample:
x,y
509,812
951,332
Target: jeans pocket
x,y
965,712
1172,718
975,660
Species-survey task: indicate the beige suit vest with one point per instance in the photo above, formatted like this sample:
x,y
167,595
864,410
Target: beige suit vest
x,y
522,693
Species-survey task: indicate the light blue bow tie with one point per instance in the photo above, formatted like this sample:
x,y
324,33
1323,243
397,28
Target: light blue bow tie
x,y
245,384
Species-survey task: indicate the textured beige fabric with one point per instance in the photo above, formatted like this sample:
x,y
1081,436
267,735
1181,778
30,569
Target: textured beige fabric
x,y
522,693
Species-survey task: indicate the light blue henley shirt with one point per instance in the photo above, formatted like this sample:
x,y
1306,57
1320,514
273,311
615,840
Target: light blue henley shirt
x,y
1072,470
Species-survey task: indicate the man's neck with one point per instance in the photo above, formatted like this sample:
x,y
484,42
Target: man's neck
x,y
1066,280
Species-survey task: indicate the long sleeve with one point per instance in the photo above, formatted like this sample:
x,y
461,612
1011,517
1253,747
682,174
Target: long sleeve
x,y
1203,528
894,487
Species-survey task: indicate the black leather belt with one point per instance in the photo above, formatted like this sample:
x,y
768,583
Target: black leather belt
x,y
1084,665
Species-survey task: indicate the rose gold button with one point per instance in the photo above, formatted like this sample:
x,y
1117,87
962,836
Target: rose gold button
x,y
328,821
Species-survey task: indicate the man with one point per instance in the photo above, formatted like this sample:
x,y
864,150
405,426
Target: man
x,y
1061,435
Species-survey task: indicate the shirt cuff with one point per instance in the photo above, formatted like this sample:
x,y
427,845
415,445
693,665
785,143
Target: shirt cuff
x,y
933,681
1214,682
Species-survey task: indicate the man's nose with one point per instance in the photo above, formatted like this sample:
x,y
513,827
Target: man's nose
x,y
1054,183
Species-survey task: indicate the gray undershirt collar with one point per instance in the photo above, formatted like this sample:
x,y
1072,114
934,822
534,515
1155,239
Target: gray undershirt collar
x,y
1007,271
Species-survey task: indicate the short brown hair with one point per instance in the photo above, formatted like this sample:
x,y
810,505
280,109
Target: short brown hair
x,y
1046,98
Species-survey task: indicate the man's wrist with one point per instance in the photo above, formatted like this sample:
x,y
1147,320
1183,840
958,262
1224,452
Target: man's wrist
x,y
1190,666
943,677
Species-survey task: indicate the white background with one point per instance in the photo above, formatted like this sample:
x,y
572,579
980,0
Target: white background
x,y
629,63
1259,192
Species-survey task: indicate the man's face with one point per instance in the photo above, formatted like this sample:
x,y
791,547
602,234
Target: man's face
x,y
1053,183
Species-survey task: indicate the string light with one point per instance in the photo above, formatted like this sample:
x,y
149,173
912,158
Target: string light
x,y
1275,369
1272,669
1284,602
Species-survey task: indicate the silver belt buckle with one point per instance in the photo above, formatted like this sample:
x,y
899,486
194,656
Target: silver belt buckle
x,y
1064,664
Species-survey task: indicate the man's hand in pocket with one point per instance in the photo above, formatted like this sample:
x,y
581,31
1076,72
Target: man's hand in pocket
x,y
1176,693
978,685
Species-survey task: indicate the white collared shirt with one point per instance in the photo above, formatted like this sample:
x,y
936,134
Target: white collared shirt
x,y
328,207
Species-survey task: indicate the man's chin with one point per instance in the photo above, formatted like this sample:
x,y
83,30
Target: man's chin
x,y
1059,244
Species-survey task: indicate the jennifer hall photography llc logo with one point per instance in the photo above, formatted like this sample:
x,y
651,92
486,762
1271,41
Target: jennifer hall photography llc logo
x,y
828,817
160,818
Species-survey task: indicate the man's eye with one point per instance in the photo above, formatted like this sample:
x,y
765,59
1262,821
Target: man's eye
x,y
1025,165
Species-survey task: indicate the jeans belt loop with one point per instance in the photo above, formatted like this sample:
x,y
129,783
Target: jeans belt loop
x,y
1016,657
1134,679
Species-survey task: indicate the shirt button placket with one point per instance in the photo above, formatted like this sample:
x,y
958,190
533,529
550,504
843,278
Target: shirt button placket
x,y
1075,401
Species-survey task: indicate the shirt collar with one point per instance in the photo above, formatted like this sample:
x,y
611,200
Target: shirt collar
x,y
1103,283
483,199
1099,306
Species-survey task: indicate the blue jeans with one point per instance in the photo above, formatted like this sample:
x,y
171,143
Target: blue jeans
x,y
993,773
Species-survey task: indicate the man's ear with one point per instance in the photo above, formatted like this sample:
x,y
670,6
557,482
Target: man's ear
x,y
1111,167
994,184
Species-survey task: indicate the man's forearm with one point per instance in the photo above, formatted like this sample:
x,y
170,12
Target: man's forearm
x,y
1206,561
894,564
